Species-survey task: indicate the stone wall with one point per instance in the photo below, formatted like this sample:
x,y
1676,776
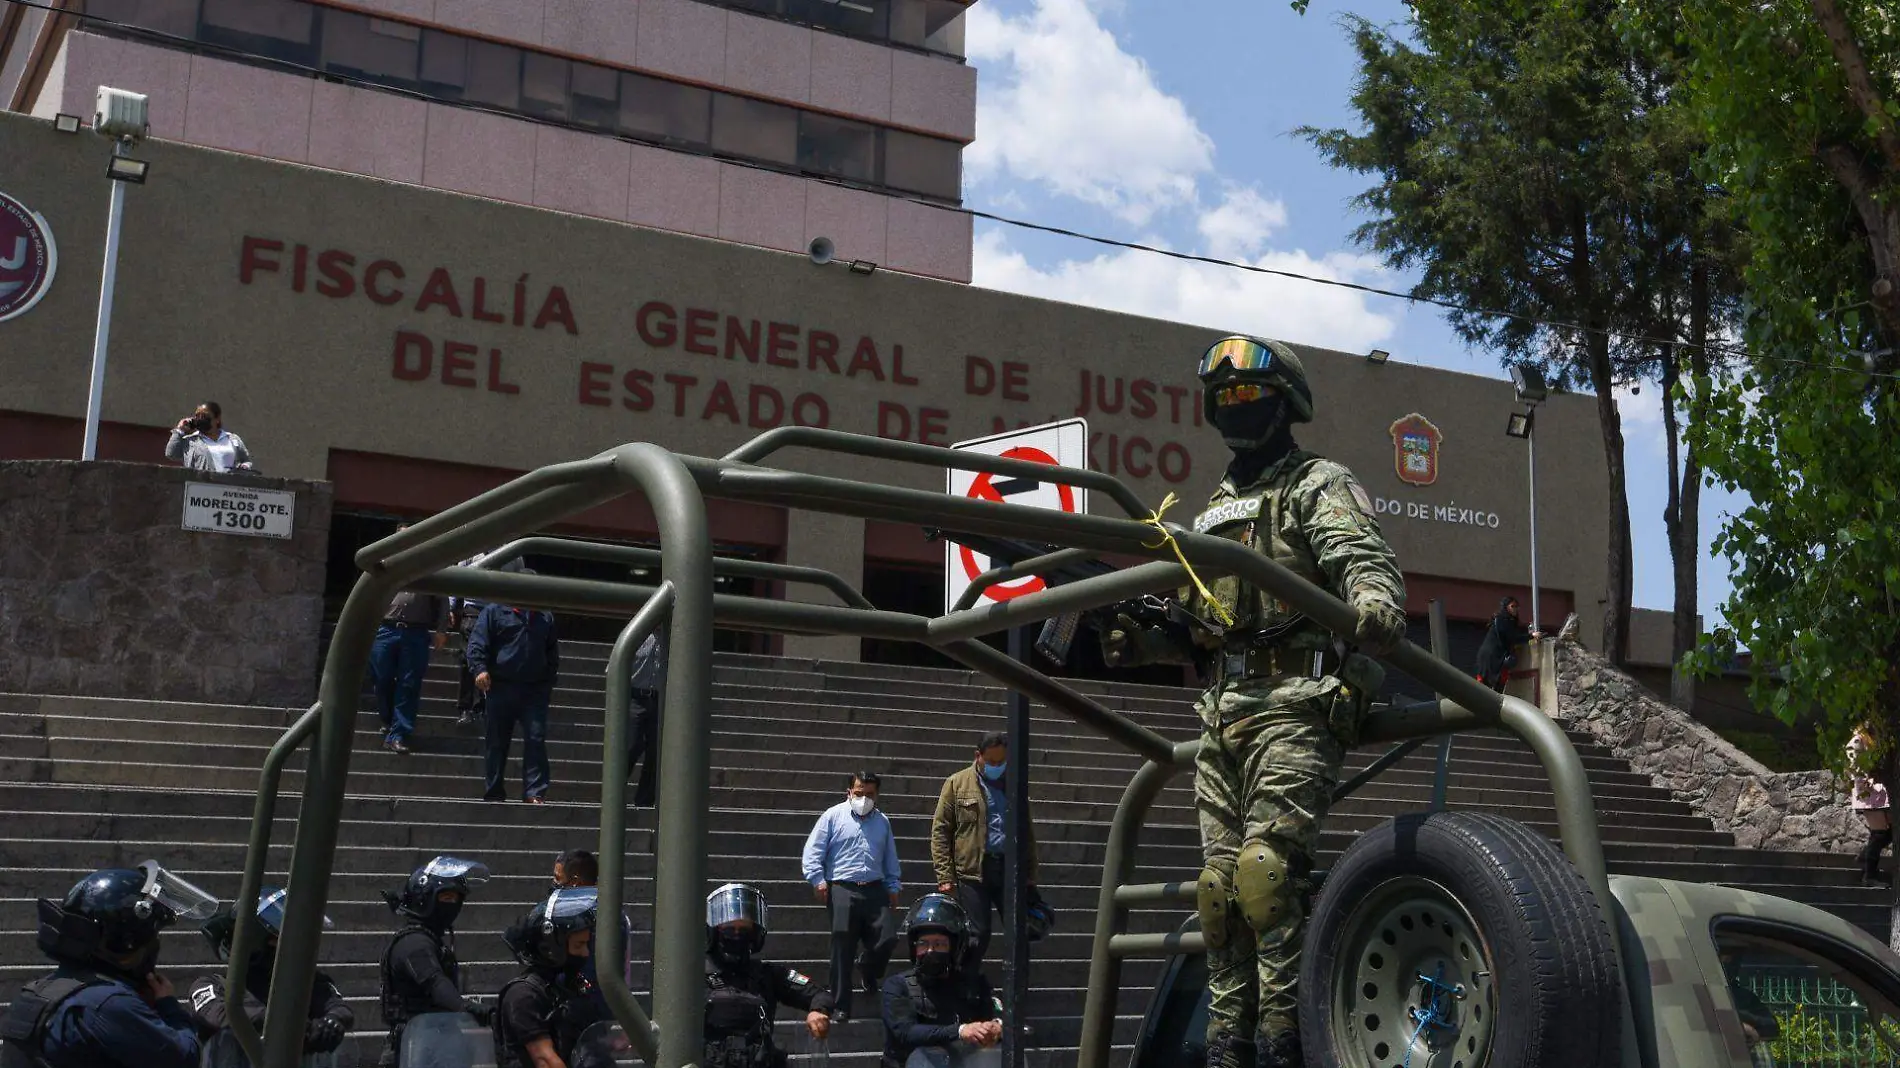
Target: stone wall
x,y
1799,811
102,593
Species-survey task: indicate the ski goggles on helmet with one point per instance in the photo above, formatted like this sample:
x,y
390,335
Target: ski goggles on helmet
x,y
1240,353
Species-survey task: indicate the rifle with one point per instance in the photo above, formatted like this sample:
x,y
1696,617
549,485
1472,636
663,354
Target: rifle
x,y
1058,633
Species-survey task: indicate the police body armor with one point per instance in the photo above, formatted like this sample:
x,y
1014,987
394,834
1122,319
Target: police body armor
x,y
1254,517
23,1030
564,1022
399,1007
739,1019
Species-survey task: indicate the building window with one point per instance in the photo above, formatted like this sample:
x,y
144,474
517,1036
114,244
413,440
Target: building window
x,y
926,165
858,18
596,96
754,129
176,17
375,49
665,111
278,29
544,85
837,147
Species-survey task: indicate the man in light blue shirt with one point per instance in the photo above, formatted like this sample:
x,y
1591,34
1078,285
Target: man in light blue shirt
x,y
851,863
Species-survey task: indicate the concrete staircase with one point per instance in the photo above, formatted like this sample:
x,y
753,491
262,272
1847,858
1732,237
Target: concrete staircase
x,y
86,783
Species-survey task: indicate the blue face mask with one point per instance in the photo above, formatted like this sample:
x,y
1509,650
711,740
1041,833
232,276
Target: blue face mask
x,y
994,772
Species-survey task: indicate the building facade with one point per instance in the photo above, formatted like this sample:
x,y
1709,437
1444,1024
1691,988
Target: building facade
x,y
763,122
414,347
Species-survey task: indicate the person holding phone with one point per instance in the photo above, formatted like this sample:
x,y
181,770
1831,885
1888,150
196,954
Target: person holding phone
x,y
201,443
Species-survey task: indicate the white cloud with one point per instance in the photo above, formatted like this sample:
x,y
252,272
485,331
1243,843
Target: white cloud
x,y
1221,298
1239,226
1062,105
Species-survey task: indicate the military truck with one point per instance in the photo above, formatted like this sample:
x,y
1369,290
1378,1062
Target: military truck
x,y
1443,939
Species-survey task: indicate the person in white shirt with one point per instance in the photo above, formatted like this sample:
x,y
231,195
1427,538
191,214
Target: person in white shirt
x,y
851,863
200,442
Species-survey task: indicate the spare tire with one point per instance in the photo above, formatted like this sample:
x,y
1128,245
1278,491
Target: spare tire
x,y
1458,940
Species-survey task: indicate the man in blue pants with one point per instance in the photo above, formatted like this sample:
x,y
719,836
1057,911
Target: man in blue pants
x,y
414,624
515,657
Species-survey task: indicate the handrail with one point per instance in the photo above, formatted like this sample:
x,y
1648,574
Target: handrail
x,y
250,885
1021,569
611,937
641,555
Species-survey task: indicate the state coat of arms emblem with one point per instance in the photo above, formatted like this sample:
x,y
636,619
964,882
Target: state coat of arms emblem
x,y
1415,444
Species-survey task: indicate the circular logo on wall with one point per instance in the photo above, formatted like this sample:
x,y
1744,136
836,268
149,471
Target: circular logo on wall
x,y
28,258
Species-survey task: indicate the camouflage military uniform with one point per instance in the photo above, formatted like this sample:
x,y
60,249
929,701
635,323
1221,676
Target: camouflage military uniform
x,y
1276,723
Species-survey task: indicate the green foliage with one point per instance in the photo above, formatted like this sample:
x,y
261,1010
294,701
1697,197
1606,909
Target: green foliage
x,y
1816,1039
1812,439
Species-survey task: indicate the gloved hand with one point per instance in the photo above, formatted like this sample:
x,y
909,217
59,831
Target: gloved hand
x,y
1380,628
484,1014
323,1034
1118,641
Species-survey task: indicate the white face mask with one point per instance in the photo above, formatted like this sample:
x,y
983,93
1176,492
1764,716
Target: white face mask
x,y
862,806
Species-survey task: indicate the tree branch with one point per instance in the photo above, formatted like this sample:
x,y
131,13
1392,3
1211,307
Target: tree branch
x,y
1860,82
1881,222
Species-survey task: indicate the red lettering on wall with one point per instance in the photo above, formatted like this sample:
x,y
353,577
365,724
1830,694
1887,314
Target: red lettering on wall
x,y
1141,399
413,357
897,368
679,384
480,308
821,347
439,290
457,366
377,270
299,261
654,322
555,309
933,426
866,359
742,338
639,386
1174,462
758,399
495,383
594,382
720,402
979,376
809,409
781,337
700,325
251,260
1015,381
1175,396
334,265
1135,452
893,421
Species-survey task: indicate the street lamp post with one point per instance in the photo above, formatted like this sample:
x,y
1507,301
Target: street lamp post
x,y
122,117
1531,390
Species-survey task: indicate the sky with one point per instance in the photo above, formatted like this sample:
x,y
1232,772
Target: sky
x,y
1171,124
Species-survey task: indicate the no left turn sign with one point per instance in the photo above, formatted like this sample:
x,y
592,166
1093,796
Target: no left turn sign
x,y
1063,444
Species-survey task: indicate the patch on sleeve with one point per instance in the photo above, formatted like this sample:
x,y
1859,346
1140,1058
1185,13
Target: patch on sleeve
x,y
1359,494
796,977
203,996
998,1002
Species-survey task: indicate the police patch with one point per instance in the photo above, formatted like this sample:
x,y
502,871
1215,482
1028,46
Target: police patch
x,y
203,996
798,978
1227,512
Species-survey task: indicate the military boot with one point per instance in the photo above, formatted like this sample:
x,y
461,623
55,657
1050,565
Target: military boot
x,y
1281,1051
1228,1050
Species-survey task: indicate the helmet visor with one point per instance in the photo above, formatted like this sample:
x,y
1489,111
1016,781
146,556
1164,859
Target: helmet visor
x,y
733,903
186,901
472,872
270,910
571,903
1242,354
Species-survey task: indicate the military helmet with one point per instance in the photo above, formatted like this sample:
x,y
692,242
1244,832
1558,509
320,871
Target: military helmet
x,y
116,912
418,896
1241,359
939,913
540,939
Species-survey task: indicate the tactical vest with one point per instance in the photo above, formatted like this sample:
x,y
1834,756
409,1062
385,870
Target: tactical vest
x,y
23,1030
1257,518
559,1021
400,1005
739,1010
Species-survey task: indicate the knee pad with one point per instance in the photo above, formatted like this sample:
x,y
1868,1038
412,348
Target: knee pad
x,y
1214,900
1263,884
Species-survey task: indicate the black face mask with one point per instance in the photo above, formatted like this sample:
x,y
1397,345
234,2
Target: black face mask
x,y
934,964
733,949
257,974
444,915
1251,425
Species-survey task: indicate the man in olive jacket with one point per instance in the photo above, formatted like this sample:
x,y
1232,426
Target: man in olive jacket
x,y
966,838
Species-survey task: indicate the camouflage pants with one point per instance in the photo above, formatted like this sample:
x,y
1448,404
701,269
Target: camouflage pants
x,y
1268,773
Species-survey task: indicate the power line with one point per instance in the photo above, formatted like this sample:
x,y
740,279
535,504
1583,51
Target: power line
x,y
196,45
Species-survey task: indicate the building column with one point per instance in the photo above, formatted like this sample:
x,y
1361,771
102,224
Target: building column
x,y
836,544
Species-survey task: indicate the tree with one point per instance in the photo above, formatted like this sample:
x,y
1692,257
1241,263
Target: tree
x,y
1797,100
1531,163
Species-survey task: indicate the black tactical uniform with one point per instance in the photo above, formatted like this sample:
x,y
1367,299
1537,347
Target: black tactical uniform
x,y
329,1017
925,1011
549,998
419,971
743,993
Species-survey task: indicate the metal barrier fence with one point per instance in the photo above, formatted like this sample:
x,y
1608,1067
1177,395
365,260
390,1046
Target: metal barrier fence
x,y
1823,1022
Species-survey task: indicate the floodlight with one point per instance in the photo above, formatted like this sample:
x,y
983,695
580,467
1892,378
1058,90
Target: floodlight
x,y
65,123
1529,381
1378,356
127,169
862,267
1520,424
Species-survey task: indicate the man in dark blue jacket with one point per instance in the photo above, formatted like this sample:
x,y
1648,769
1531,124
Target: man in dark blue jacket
x,y
515,657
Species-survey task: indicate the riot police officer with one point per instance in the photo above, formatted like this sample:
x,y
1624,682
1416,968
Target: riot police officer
x,y
943,1008
330,1019
419,970
743,992
1286,696
106,1006
540,1014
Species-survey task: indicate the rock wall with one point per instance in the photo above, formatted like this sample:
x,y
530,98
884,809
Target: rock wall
x,y
1799,811
104,594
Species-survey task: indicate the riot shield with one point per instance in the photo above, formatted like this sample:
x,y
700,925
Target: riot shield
x,y
447,1040
223,1051
603,1045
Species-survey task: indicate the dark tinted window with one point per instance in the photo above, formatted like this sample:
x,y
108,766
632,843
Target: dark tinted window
x,y
1805,1000
377,49
859,18
837,147
664,110
544,86
927,165
176,17
280,29
596,96
755,129
494,75
1175,1035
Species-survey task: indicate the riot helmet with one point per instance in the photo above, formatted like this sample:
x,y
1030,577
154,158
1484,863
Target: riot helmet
x,y
219,929
420,896
540,940
112,917
1253,417
736,923
937,914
